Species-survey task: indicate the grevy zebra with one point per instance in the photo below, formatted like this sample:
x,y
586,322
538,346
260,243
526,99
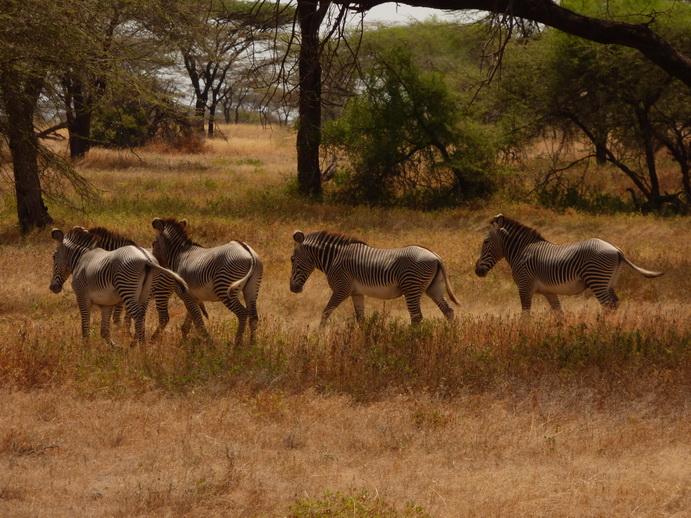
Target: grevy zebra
x,y
163,285
213,274
539,266
104,278
354,269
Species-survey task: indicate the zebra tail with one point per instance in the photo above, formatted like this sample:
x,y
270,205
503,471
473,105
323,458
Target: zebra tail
x,y
448,284
645,273
145,286
179,280
240,283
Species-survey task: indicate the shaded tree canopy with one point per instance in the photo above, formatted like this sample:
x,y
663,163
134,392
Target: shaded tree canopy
x,y
639,36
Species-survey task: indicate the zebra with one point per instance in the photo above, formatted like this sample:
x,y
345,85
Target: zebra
x,y
161,290
539,266
213,274
354,269
105,278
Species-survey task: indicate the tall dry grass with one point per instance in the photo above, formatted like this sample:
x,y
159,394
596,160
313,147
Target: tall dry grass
x,y
493,414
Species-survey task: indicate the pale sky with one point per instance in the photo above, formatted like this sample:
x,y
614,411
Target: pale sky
x,y
392,12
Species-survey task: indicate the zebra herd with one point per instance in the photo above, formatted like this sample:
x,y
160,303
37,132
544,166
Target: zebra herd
x,y
111,271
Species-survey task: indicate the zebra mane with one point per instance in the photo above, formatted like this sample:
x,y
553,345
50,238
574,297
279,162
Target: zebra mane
x,y
332,238
514,226
179,230
81,237
109,239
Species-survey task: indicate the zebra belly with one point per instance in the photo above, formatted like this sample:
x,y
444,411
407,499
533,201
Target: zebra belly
x,y
105,297
204,293
572,287
378,292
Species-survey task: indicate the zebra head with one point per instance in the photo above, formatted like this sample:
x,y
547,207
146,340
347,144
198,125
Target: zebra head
x,y
70,249
302,264
492,248
170,236
61,265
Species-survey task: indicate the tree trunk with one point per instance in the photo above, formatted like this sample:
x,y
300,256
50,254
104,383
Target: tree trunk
x,y
78,109
20,104
212,116
309,117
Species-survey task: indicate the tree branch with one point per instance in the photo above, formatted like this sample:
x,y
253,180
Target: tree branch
x,y
546,12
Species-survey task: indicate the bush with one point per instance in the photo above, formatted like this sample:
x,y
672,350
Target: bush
x,y
407,141
138,123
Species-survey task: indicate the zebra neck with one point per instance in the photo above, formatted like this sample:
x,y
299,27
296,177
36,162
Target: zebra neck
x,y
175,254
515,245
76,255
324,256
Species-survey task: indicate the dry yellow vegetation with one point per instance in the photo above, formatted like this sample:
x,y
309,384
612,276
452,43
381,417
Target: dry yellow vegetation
x,y
589,415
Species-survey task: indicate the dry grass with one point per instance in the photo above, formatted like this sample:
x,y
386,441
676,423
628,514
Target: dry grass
x,y
493,415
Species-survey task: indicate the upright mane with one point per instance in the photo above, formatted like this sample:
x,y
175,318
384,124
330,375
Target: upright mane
x,y
109,239
179,230
332,238
81,237
514,226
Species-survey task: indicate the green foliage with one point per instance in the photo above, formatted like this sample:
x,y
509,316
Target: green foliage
x,y
407,140
360,505
582,199
124,128
618,104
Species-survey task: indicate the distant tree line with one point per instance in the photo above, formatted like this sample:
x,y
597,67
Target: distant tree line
x,y
419,113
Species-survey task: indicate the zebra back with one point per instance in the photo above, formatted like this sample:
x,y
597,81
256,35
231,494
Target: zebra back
x,y
324,246
109,239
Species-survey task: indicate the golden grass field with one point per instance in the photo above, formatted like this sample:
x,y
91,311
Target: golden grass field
x,y
492,415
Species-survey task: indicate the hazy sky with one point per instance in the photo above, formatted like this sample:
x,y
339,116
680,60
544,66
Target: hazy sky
x,y
401,13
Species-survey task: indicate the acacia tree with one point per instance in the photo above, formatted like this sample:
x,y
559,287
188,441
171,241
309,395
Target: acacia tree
x,y
28,35
215,40
628,112
639,36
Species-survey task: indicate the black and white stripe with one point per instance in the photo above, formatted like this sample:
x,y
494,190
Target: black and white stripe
x,y
539,266
213,274
354,269
162,288
105,278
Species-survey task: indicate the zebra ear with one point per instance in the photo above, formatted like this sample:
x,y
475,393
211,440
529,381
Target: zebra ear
x,y
157,223
498,220
298,236
57,234
183,223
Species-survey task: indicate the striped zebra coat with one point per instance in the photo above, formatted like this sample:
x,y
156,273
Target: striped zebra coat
x,y
354,269
105,278
163,286
539,266
213,274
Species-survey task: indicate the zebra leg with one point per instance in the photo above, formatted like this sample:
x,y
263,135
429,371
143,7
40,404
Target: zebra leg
x,y
359,305
526,296
234,305
554,302
435,291
337,298
106,312
117,315
137,312
161,300
412,300
186,324
253,318
85,313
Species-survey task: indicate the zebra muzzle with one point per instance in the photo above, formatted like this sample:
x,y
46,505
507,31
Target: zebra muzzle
x,y
481,271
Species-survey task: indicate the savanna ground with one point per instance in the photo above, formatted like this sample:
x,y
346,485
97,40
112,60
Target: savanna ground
x,y
491,415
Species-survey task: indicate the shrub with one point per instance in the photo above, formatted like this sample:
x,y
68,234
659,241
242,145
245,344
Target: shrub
x,y
407,141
